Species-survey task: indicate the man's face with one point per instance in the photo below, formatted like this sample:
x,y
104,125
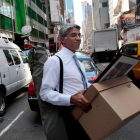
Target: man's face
x,y
72,40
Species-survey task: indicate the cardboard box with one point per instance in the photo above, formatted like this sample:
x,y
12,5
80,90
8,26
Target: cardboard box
x,y
114,103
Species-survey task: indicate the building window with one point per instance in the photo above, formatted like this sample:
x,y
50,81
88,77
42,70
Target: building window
x,y
104,4
34,15
41,35
44,9
46,36
5,23
5,9
51,30
45,23
2,22
34,33
8,24
40,19
40,5
51,40
37,3
30,13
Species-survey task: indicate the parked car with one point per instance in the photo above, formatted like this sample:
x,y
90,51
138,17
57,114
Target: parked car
x,y
91,74
32,97
133,49
14,71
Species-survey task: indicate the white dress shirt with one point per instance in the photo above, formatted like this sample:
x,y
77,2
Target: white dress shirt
x,y
72,81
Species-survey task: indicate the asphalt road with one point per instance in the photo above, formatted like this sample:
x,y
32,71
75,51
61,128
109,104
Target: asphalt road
x,y
130,131
20,123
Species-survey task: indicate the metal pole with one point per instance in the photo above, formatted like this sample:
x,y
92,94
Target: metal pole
x,y
13,36
56,39
44,26
55,33
37,20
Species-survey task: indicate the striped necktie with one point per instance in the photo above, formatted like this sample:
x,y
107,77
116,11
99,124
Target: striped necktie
x,y
81,72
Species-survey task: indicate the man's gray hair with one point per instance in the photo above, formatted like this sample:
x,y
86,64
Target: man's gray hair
x,y
65,28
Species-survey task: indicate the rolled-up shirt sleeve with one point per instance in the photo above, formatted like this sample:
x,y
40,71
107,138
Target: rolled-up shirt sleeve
x,y
50,81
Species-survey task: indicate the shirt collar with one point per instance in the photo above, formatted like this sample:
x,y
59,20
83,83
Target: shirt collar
x,y
68,52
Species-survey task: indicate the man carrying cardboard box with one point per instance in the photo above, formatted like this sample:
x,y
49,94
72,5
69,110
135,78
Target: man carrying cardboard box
x,y
75,83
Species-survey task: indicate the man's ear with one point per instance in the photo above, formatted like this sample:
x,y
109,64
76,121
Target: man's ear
x,y
62,39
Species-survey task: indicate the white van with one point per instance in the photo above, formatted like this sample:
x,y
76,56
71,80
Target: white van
x,y
14,71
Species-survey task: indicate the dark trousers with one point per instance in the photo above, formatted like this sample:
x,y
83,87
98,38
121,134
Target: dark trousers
x,y
73,127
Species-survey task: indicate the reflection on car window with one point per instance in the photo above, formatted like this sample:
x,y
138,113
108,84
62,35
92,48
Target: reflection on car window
x,y
87,64
130,49
15,56
8,57
24,58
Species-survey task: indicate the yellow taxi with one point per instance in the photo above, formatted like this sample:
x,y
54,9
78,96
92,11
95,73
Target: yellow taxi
x,y
86,51
133,49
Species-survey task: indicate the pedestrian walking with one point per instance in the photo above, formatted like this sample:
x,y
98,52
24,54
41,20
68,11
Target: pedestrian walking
x,y
74,85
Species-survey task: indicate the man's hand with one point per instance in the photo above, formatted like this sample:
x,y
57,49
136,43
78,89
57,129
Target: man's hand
x,y
79,100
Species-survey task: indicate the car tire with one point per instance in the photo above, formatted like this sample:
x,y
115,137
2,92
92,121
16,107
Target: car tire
x,y
2,103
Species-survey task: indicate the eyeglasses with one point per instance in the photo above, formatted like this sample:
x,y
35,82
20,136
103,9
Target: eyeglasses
x,y
74,35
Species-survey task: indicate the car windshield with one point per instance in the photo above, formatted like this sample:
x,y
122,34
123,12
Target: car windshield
x,y
87,64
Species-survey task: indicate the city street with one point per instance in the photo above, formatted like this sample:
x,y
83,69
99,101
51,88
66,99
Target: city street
x,y
31,31
20,123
